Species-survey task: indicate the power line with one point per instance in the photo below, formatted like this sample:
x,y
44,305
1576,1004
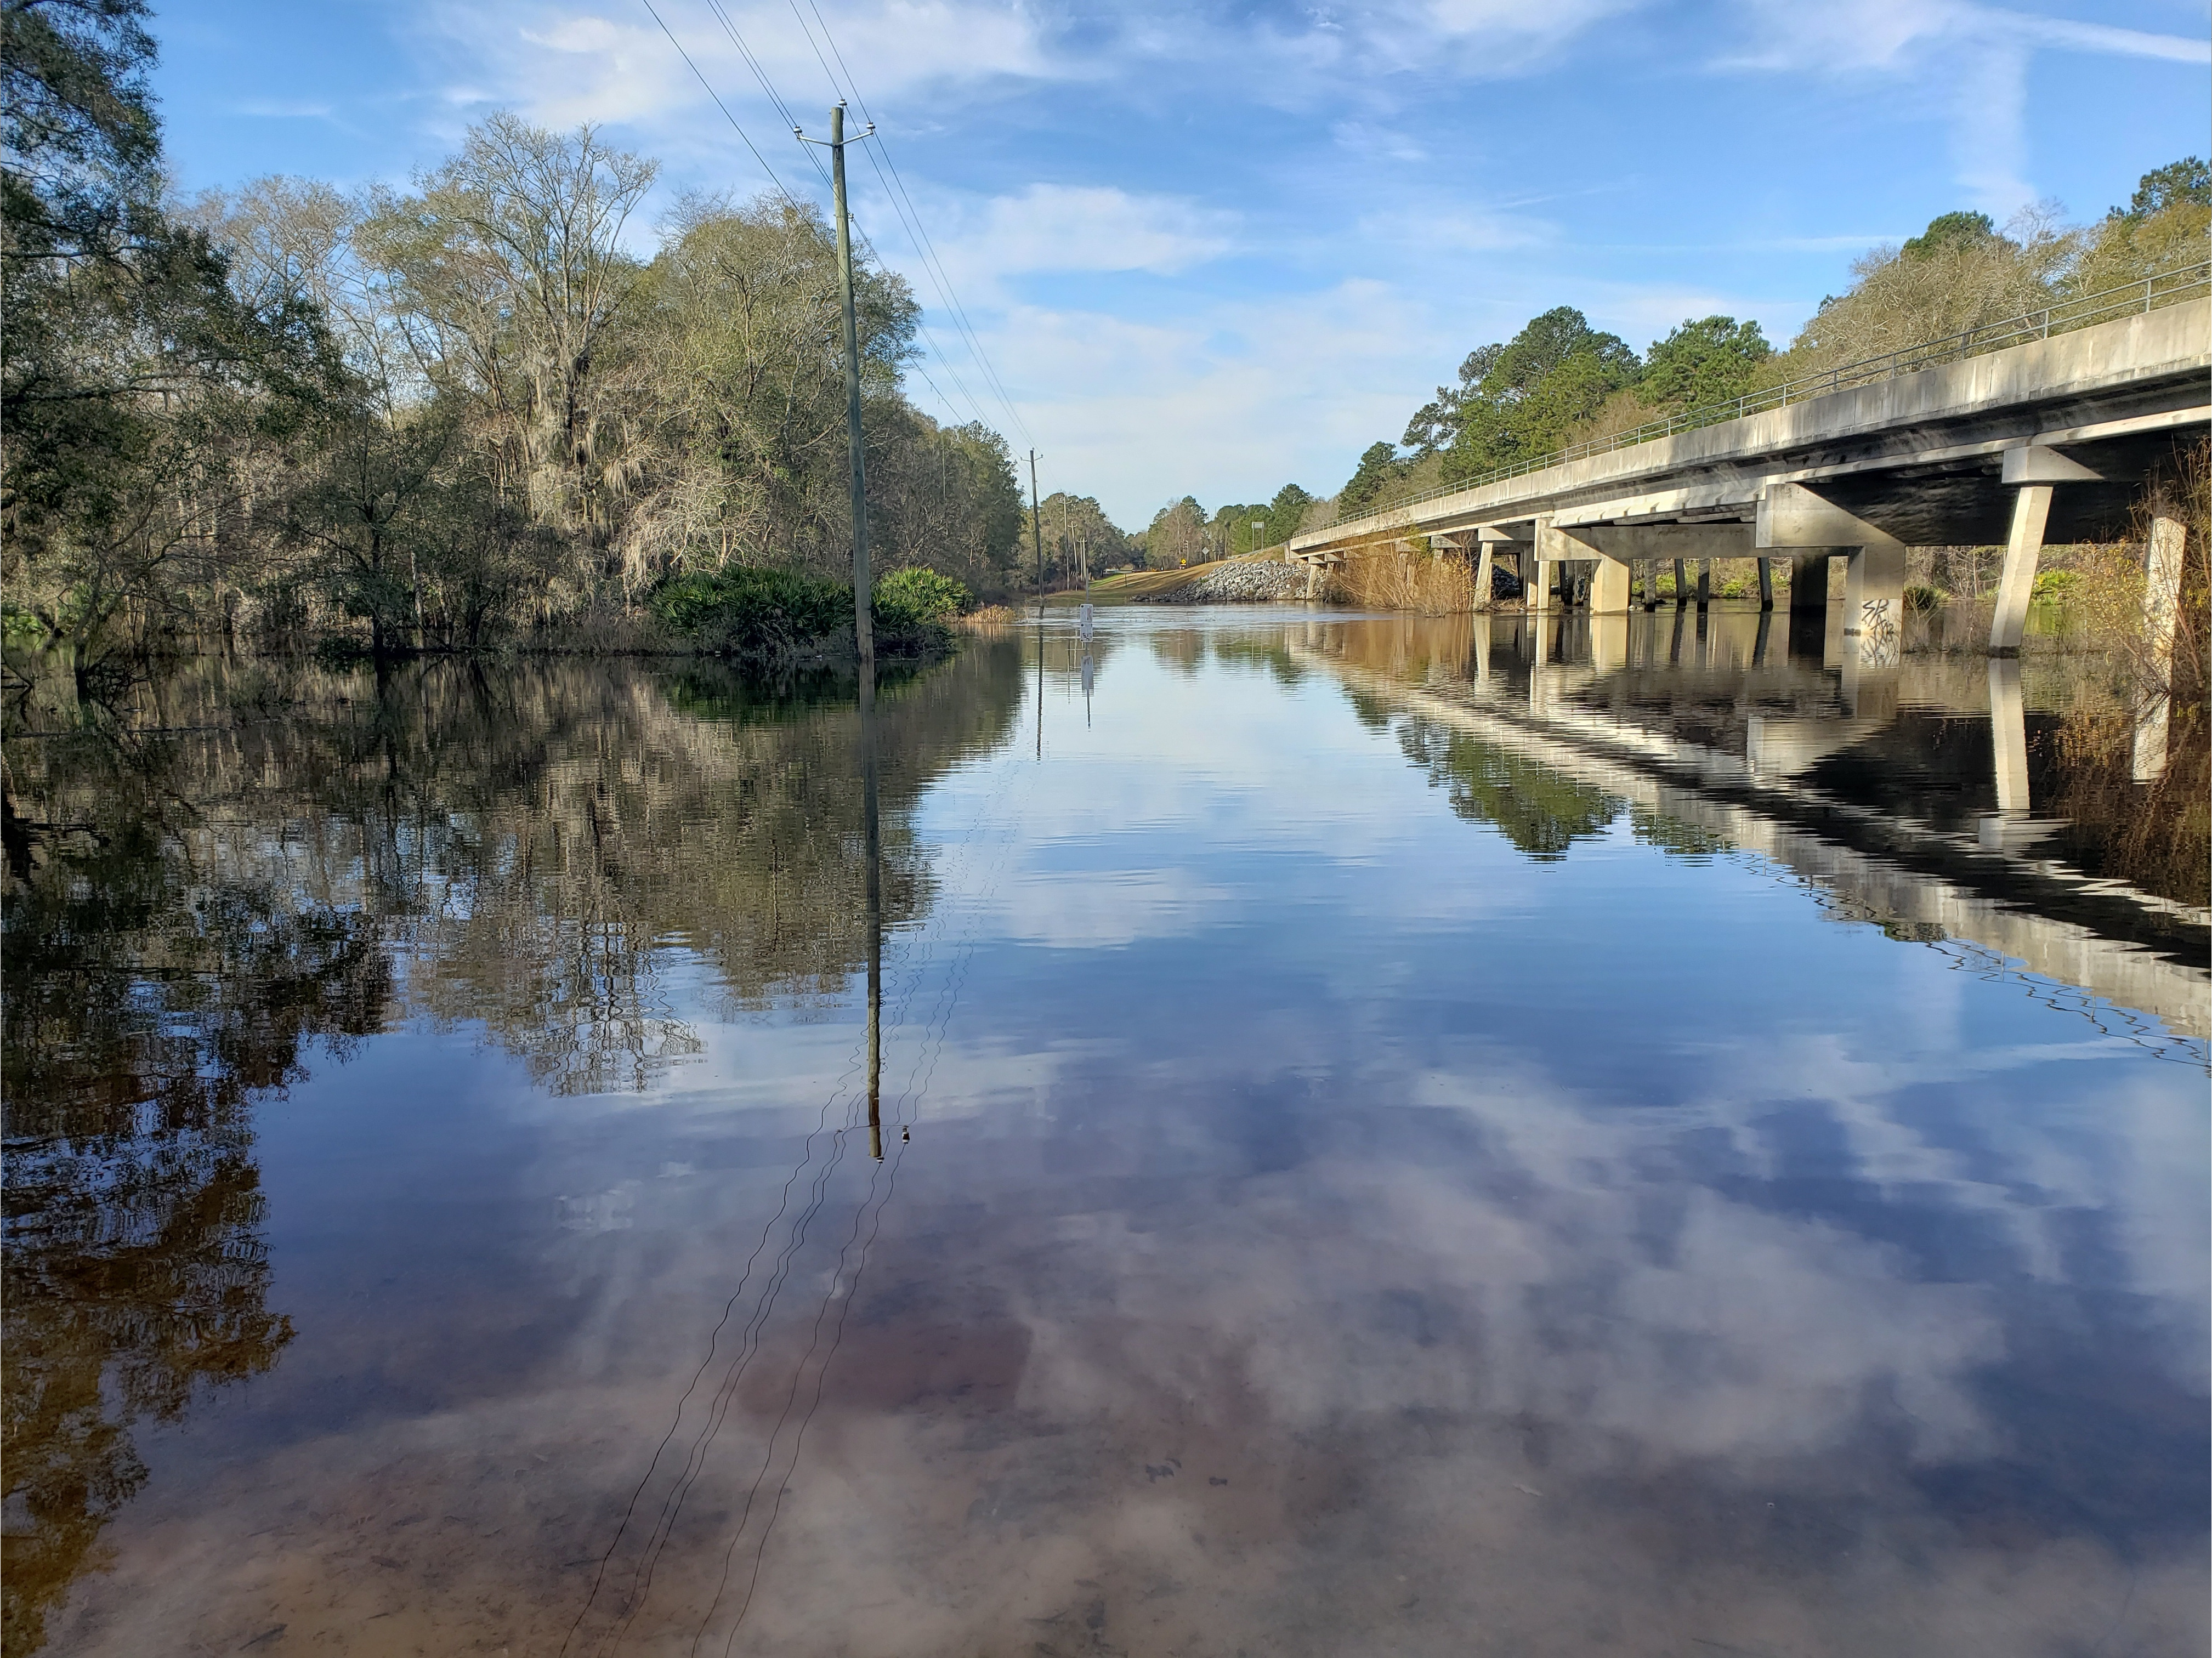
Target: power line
x,y
768,85
952,299
776,98
717,97
760,74
910,216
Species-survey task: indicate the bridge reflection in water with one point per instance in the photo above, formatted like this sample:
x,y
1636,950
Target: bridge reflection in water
x,y
1932,797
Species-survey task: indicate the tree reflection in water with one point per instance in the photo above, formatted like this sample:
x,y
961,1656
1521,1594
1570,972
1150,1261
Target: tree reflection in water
x,y
239,861
155,984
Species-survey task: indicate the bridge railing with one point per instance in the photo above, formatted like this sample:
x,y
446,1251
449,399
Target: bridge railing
x,y
2147,294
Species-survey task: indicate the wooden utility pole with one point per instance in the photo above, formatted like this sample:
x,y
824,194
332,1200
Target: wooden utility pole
x,y
863,632
1036,531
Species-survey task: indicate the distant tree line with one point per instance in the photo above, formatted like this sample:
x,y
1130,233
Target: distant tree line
x,y
455,416
1076,538
1184,532
1560,381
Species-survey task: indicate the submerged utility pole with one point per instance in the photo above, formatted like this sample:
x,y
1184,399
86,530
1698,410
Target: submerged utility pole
x,y
863,632
1036,531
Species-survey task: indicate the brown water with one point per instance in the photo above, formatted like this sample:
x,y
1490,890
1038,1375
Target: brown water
x,y
1388,1141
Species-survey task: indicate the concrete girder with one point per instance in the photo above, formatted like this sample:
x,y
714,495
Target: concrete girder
x,y
2039,463
1634,544
1793,515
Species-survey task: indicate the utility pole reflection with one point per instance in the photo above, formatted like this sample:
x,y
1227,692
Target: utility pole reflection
x,y
875,891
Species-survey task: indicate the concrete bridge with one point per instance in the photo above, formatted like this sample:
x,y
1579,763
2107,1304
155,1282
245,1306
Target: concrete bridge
x,y
2048,440
1988,885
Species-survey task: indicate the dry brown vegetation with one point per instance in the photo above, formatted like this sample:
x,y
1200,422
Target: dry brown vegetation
x,y
1425,582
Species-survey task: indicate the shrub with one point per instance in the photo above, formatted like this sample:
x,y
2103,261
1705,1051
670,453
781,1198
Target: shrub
x,y
1922,597
747,611
2054,584
916,594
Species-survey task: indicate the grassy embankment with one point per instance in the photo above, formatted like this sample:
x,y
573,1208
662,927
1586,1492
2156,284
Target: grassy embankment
x,y
1149,584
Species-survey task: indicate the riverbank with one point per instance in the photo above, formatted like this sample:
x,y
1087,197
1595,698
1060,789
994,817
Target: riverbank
x,y
1220,581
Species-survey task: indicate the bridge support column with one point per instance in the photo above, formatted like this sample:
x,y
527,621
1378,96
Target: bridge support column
x,y
1536,589
2031,511
1791,515
1765,584
1808,605
1545,559
2162,590
1608,594
1809,583
1486,575
1704,582
1681,584
1606,550
1874,602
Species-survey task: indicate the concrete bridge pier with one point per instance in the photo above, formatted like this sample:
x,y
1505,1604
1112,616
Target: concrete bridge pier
x,y
2161,609
1681,584
1808,605
1809,583
1705,583
1765,584
2032,471
1489,542
1608,594
2162,590
1614,551
2031,512
1874,602
1791,516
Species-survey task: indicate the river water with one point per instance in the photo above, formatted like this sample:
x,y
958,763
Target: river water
x,y
1387,1137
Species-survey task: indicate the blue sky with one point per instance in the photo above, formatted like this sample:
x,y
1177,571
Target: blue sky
x,y
1211,249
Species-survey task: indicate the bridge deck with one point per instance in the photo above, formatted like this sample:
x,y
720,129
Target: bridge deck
x,y
1920,457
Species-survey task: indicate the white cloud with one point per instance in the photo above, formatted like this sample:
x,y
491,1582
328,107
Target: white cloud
x,y
1236,397
1975,58
1378,142
1071,227
564,63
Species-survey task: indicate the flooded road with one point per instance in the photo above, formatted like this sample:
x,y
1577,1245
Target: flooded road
x,y
1392,1137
